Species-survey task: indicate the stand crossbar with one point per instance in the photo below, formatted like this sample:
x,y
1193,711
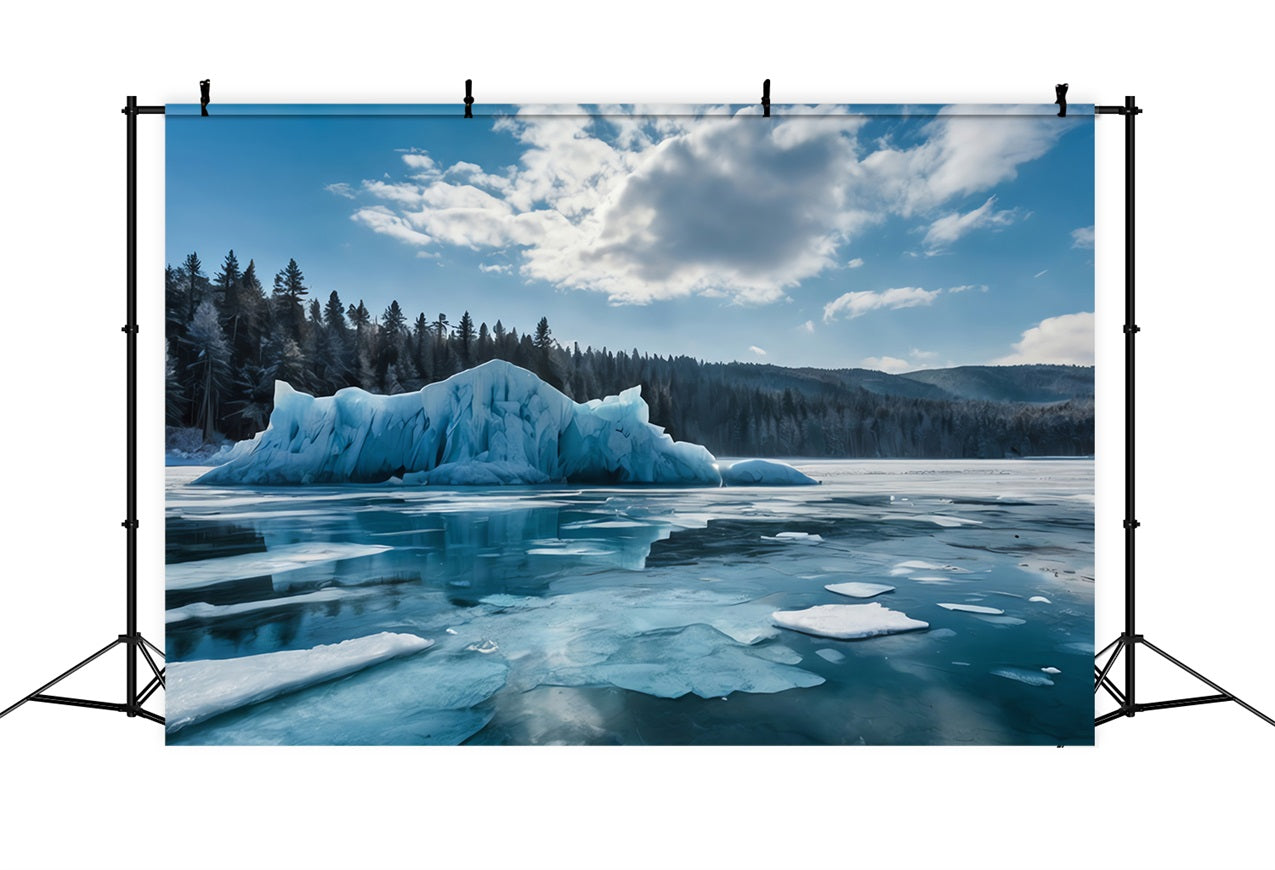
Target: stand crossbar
x,y
1129,640
131,640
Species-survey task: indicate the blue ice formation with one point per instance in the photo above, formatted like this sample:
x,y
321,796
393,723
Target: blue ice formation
x,y
493,424
764,472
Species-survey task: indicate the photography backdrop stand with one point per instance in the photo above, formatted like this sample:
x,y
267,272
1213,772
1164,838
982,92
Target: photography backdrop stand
x,y
1129,640
132,641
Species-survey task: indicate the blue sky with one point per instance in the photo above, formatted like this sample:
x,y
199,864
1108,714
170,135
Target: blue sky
x,y
821,236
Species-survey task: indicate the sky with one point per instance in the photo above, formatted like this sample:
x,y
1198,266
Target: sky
x,y
891,238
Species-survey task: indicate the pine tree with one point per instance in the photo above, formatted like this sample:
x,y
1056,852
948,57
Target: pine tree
x,y
289,288
208,375
465,336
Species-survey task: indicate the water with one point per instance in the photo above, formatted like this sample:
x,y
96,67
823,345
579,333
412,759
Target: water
x,y
642,615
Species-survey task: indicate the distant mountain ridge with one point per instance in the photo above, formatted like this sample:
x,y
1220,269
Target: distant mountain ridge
x,y
1031,384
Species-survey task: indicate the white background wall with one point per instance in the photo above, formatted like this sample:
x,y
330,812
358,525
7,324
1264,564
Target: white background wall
x,y
1186,788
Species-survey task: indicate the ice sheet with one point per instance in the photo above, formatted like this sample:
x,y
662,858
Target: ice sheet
x,y
972,608
201,689
764,472
286,557
847,621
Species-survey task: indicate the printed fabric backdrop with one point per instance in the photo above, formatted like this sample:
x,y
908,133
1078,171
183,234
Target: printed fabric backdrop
x,y
630,425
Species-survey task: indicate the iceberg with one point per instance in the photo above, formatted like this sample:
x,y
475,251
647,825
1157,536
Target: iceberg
x,y
764,472
493,424
203,689
847,621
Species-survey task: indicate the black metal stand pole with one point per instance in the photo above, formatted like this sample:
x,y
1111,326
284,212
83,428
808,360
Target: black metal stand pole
x,y
132,640
1129,640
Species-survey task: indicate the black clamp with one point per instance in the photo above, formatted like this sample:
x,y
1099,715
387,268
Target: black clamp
x,y
129,524
765,98
1131,524
204,86
130,328
1131,329
469,98
1060,99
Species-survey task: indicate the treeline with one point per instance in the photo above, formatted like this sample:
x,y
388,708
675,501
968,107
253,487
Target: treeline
x,y
229,339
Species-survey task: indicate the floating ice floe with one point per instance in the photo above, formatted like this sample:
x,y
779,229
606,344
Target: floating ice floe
x,y
288,557
202,610
940,520
972,608
696,660
830,655
794,538
414,700
920,565
1040,599
847,621
855,589
202,689
764,472
1031,678
1051,670
493,424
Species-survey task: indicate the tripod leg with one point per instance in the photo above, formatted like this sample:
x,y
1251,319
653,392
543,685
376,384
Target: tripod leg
x,y
1118,643
159,674
1203,679
62,676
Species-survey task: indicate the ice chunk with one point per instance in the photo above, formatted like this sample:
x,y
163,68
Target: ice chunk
x,y
920,565
1031,678
289,557
940,520
1051,670
830,655
414,700
201,689
694,660
847,621
763,472
497,416
1040,599
972,608
201,610
794,538
858,590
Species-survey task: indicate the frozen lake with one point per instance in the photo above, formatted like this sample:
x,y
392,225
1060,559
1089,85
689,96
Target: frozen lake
x,y
635,615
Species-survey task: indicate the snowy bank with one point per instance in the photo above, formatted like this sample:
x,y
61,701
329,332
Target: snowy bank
x,y
496,423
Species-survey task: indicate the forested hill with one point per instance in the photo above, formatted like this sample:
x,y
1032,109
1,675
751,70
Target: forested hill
x,y
228,341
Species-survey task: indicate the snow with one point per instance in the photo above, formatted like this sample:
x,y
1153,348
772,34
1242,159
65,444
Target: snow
x,y
972,608
287,557
764,472
199,690
858,590
847,621
493,424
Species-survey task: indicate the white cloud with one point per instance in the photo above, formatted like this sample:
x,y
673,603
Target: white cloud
x,y
888,364
1064,340
643,208
757,350
856,304
1082,237
502,268
961,288
340,188
808,326
386,222
951,227
855,263
1040,273
917,354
